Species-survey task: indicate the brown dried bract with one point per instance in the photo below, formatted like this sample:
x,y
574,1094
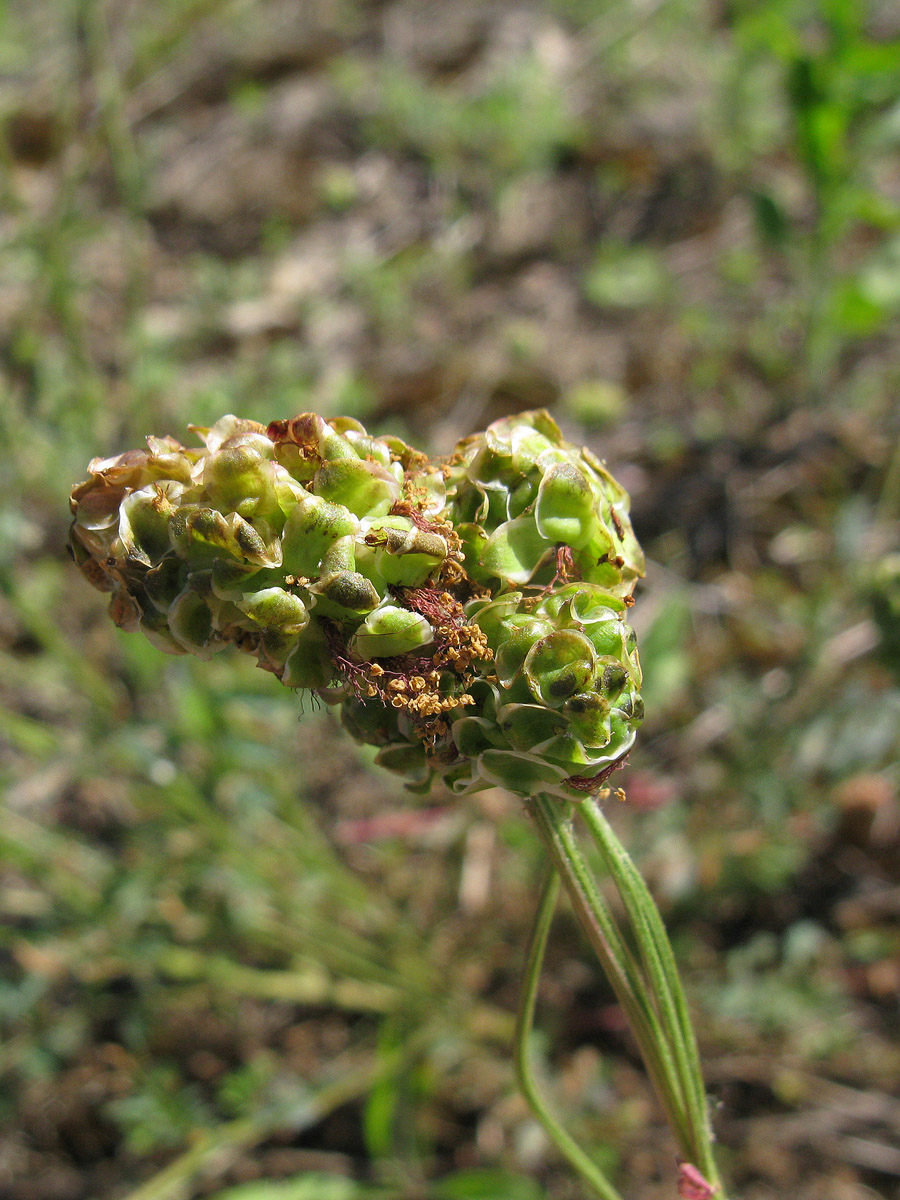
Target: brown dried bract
x,y
593,784
301,431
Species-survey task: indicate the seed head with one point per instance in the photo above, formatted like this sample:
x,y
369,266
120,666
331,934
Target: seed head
x,y
467,616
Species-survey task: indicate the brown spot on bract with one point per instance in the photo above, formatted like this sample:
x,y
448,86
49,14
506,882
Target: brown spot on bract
x,y
302,430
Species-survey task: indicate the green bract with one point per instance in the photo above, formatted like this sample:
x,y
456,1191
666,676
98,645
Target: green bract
x,y
520,495
467,616
557,713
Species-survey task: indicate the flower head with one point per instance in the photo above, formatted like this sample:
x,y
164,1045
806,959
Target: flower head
x,y
468,616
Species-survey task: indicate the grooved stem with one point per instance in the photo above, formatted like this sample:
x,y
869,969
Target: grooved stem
x,y
645,980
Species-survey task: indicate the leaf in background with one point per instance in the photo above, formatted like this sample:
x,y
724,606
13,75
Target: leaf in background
x,y
313,1186
879,278
865,301
665,656
381,1106
596,402
773,224
625,277
855,313
486,1185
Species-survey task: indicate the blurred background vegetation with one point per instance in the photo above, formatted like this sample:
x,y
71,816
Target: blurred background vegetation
x,y
236,961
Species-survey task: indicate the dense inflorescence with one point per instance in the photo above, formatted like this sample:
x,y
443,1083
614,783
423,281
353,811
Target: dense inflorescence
x,y
467,615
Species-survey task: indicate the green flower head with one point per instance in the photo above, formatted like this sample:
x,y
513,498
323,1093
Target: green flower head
x,y
466,615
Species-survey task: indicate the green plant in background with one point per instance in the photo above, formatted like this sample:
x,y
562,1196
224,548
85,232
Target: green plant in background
x,y
884,599
466,615
839,84
162,834
519,122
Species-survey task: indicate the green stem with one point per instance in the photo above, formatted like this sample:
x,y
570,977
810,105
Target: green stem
x,y
647,984
659,961
619,964
564,1142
